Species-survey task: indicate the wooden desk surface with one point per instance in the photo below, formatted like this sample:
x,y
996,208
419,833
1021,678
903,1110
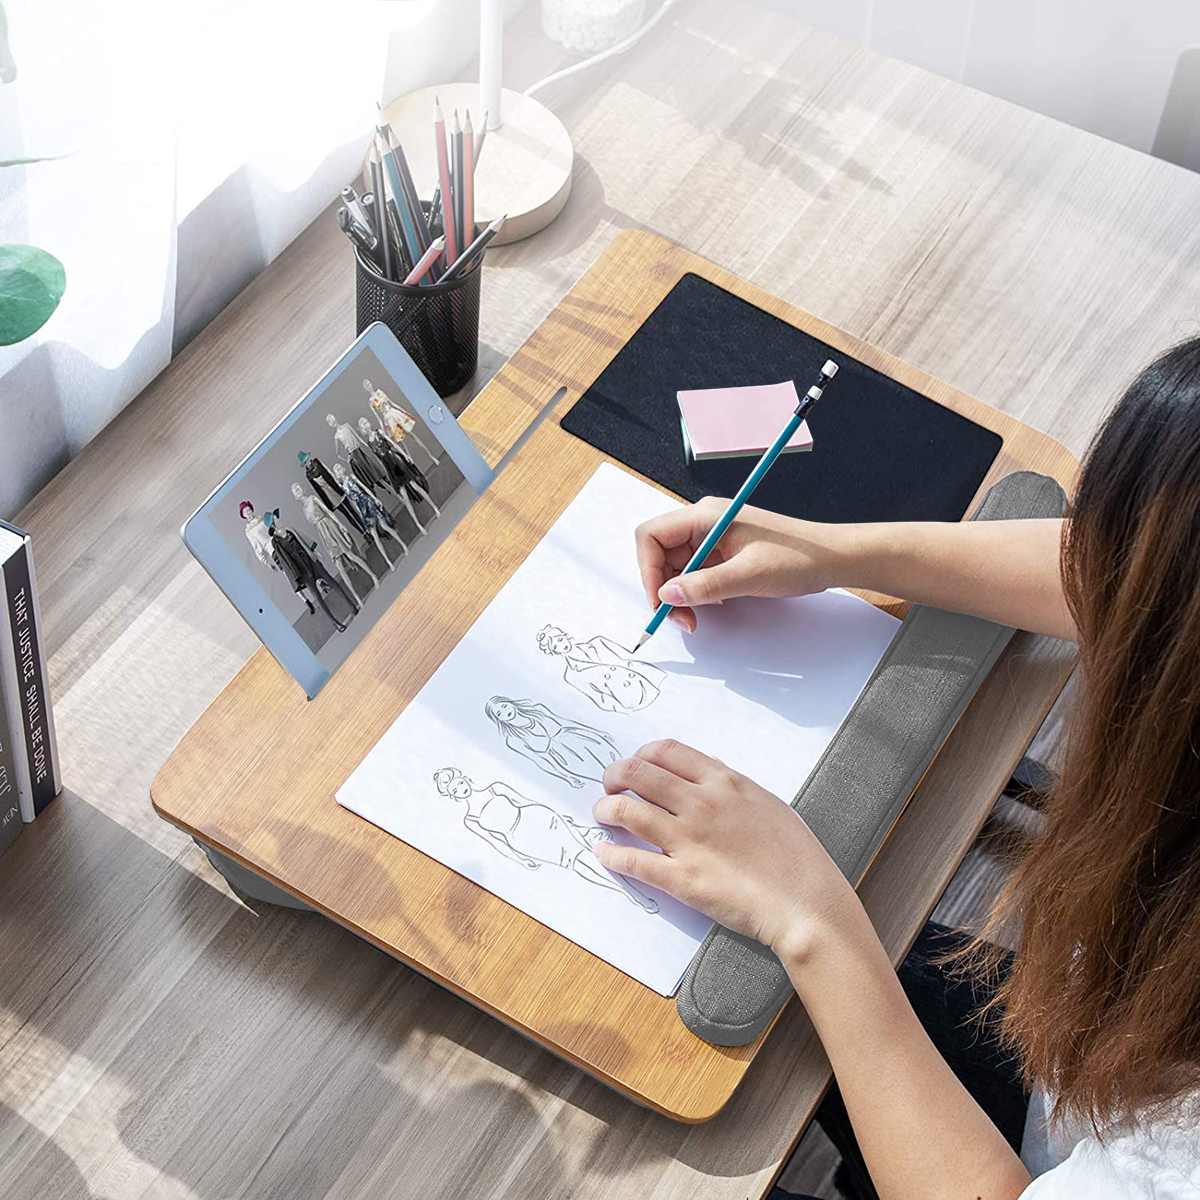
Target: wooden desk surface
x,y
157,1038
255,777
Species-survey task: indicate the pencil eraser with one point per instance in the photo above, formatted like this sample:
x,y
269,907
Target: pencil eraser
x,y
830,369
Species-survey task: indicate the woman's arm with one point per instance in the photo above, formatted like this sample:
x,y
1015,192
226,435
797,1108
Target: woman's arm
x,y
745,858
1007,571
921,1133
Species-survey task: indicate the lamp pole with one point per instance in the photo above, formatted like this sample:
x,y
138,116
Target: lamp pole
x,y
491,59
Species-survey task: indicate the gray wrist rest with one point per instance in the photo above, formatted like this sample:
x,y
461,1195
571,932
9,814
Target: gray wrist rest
x,y
734,986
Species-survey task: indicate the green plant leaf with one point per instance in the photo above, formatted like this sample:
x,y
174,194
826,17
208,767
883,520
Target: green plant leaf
x,y
31,285
26,160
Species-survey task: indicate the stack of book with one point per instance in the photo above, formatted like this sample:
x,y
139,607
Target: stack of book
x,y
29,772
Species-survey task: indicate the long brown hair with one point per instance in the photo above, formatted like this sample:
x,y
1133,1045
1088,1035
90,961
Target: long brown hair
x,y
1103,1002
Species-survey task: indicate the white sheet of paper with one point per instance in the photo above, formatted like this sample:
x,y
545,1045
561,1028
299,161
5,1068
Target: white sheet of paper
x,y
762,685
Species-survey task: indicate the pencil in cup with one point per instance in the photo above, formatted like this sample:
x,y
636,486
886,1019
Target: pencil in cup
x,y
436,322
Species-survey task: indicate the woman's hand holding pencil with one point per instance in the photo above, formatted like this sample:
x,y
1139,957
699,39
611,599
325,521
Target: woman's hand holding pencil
x,y
761,554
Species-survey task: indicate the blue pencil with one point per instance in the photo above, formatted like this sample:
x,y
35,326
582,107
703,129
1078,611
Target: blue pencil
x,y
772,452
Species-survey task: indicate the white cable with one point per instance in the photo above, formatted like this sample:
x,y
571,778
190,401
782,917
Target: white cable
x,y
619,48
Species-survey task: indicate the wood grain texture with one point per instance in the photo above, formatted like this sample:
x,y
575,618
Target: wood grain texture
x,y
261,738
157,1039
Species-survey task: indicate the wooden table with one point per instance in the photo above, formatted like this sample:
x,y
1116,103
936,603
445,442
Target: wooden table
x,y
159,1039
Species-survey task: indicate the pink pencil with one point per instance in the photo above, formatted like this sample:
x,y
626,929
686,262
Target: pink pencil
x,y
468,181
443,161
418,273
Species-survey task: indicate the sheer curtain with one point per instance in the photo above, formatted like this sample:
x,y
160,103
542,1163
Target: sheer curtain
x,y
198,137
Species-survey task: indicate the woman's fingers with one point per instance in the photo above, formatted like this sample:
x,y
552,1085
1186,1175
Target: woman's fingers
x,y
653,539
710,584
665,543
680,760
647,779
643,865
641,818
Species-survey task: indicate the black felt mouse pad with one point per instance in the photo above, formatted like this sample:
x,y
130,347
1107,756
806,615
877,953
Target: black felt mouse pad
x,y
881,452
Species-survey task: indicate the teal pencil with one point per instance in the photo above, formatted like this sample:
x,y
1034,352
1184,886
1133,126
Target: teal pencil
x,y
411,240
764,464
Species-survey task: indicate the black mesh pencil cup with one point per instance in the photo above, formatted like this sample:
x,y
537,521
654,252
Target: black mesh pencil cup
x,y
437,324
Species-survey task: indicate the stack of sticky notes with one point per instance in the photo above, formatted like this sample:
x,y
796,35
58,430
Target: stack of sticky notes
x,y
733,422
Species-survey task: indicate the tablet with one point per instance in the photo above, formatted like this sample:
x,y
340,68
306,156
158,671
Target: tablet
x,y
316,532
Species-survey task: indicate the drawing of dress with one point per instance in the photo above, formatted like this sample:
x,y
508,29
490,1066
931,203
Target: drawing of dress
x,y
534,834
394,420
568,750
603,671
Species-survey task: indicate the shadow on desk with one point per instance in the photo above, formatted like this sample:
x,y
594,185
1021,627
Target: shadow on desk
x,y
434,1028
158,1030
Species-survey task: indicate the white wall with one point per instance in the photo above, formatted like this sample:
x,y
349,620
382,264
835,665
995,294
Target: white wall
x,y
1103,65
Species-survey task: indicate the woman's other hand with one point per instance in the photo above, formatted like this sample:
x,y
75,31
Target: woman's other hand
x,y
729,848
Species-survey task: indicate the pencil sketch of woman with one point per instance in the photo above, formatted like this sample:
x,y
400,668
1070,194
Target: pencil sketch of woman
x,y
534,834
603,671
565,749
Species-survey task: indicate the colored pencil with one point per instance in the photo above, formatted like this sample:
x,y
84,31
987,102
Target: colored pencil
x,y
409,240
381,213
474,250
443,165
456,181
468,180
400,256
418,273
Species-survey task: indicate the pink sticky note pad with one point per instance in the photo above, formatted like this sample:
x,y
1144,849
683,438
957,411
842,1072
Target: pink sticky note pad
x,y
739,421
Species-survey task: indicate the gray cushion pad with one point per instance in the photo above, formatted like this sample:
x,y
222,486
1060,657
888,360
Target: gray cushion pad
x,y
860,785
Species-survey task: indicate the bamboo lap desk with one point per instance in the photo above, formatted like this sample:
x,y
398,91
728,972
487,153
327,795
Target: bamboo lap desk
x,y
255,777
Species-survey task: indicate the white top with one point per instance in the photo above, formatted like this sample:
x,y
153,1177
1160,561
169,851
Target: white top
x,y
259,537
347,440
1150,1160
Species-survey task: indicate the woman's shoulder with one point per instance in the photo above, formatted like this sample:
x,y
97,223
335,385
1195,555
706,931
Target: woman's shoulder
x,y
1156,1158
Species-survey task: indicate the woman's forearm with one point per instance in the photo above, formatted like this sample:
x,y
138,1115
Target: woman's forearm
x,y
921,1133
1005,571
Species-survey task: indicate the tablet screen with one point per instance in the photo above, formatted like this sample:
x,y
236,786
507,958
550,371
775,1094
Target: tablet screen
x,y
316,532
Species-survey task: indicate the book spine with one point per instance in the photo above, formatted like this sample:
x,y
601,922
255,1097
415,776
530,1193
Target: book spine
x,y
43,675
10,804
32,699
10,708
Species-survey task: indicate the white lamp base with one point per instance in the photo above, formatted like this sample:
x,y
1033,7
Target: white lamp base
x,y
525,167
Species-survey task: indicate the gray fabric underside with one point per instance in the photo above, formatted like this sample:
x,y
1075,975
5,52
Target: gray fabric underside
x,y
860,785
